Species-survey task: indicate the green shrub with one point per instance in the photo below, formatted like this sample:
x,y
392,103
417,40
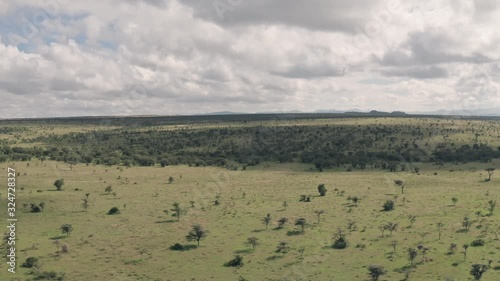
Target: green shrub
x,y
340,243
236,262
388,205
30,262
113,211
477,243
49,275
177,247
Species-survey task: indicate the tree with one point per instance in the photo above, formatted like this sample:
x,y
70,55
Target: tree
x,y
85,203
392,227
478,270
322,189
355,200
301,222
465,246
351,225
319,213
170,180
196,234
423,250
108,189
394,243
339,240
491,206
383,228
401,184
452,248
282,248
490,173
236,262
439,226
454,200
375,271
266,220
66,229
177,211
412,254
388,205
252,241
285,204
59,184
412,219
281,222
466,223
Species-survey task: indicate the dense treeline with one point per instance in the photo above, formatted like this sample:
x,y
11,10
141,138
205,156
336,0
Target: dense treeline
x,y
325,146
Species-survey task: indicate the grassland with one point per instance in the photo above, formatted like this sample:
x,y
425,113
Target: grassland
x,y
134,244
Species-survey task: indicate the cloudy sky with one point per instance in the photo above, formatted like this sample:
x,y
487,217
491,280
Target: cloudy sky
x,y
127,57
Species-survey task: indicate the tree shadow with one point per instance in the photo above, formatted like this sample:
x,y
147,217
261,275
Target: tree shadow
x,y
245,251
257,230
58,237
294,232
167,221
275,257
184,248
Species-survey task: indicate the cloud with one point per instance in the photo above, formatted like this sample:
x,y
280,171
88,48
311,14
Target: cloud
x,y
181,57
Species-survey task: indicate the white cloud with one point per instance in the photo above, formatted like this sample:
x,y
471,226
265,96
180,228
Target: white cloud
x,y
177,57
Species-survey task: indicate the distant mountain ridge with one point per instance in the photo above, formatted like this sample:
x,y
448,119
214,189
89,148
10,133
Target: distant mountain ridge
x,y
461,112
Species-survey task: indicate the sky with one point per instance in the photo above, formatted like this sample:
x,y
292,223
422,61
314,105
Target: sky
x,y
169,57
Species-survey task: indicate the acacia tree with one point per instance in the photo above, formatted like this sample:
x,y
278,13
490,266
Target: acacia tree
x,y
478,270
196,234
439,226
266,220
392,227
375,271
302,223
491,206
108,189
177,211
412,219
282,248
423,250
59,184
401,184
490,173
319,213
465,246
394,243
252,241
66,229
412,254
281,222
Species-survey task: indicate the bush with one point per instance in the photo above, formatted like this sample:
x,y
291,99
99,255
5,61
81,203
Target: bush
x,y
113,211
236,262
477,243
49,275
36,209
30,262
388,205
340,243
322,189
177,247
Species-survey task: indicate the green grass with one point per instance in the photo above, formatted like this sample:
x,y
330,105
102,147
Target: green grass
x,y
108,247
